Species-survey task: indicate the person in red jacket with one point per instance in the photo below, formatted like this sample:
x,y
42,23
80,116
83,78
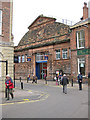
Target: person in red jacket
x,y
9,87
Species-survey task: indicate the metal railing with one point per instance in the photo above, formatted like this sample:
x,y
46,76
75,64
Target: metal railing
x,y
41,57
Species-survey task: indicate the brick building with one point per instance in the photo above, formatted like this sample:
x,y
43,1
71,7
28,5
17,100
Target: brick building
x,y
6,41
45,48
80,45
50,47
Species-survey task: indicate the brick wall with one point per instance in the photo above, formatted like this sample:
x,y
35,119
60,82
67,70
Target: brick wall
x,y
74,58
6,43
6,21
23,69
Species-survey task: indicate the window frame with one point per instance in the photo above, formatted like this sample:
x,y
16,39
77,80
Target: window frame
x,y
19,59
58,54
23,58
80,61
80,40
64,53
0,22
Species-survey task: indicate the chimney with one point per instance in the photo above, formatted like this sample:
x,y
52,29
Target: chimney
x,y
89,9
85,11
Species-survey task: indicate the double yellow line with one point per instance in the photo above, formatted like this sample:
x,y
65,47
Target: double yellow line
x,y
43,95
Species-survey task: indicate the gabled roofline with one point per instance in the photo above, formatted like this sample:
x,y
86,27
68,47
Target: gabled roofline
x,y
41,16
81,23
43,45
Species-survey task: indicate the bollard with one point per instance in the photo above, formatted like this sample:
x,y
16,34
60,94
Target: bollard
x,y
45,80
27,79
72,82
20,79
21,85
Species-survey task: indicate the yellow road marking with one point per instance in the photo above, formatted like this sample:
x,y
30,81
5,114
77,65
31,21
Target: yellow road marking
x,y
29,90
29,101
25,99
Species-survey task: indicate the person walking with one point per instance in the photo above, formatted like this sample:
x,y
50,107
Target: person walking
x,y
34,79
29,77
9,87
80,81
45,76
89,79
60,77
64,83
56,79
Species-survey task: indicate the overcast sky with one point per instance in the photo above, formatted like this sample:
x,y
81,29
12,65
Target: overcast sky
x,y
26,11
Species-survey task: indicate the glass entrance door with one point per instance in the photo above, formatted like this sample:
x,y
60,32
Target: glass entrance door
x,y
41,69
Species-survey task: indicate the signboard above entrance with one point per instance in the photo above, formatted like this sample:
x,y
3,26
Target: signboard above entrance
x,y
41,61
83,52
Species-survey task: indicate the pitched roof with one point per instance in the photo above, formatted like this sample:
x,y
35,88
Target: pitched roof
x,y
47,29
39,21
81,23
44,33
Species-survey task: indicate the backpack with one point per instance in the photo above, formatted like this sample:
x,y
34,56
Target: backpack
x,y
80,77
11,80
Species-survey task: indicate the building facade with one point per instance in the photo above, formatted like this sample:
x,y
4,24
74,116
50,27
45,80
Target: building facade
x,y
80,45
6,40
45,48
51,47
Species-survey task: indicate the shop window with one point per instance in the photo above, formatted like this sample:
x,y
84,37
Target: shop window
x,y
19,59
23,60
0,22
26,57
80,39
57,54
64,53
15,59
70,53
81,66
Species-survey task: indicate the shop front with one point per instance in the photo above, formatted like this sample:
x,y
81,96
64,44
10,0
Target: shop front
x,y
41,65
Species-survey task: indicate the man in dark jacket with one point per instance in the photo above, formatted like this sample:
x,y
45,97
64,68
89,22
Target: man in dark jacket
x,y
64,83
80,81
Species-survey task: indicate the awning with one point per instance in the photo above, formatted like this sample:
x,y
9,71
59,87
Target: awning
x,y
41,61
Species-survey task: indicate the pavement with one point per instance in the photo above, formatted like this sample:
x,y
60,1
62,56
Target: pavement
x,y
23,95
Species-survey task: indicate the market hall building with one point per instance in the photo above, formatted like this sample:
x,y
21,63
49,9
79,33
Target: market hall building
x,y
45,48
51,47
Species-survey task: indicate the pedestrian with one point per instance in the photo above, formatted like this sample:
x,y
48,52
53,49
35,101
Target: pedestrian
x,y
9,87
89,79
29,77
60,77
88,75
45,76
34,79
56,79
64,83
80,81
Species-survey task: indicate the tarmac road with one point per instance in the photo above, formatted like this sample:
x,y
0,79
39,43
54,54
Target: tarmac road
x,y
52,103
